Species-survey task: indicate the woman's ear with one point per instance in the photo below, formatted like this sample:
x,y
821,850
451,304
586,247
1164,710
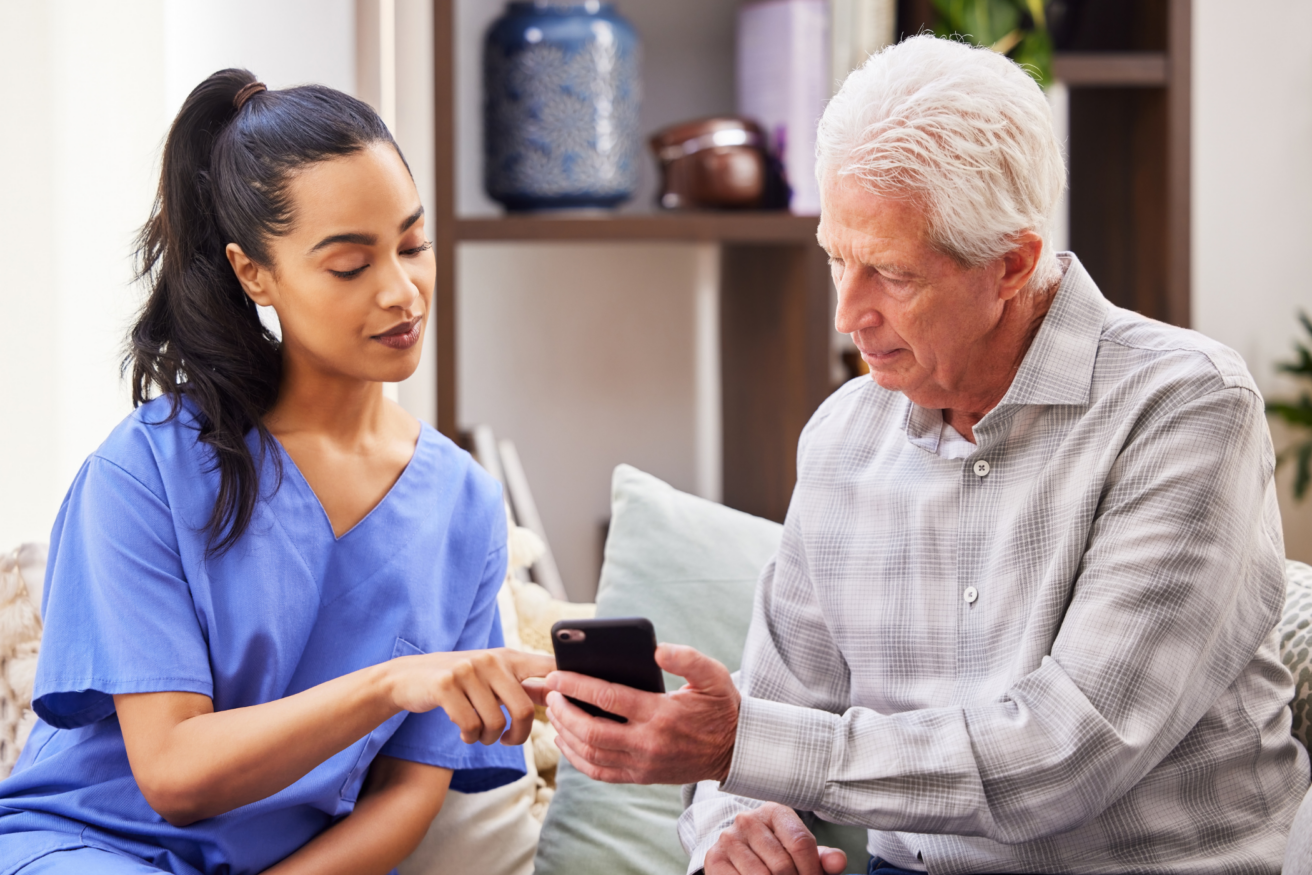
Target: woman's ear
x,y
253,278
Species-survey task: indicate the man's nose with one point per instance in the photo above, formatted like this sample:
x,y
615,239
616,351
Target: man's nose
x,y
857,307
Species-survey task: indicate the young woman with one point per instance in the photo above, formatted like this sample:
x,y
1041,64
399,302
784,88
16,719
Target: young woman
x,y
271,591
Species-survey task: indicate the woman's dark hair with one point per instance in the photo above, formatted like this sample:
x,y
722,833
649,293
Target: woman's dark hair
x,y
227,161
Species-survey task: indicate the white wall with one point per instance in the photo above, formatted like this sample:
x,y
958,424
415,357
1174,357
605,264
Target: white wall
x,y
84,112
93,87
1252,192
586,356
283,42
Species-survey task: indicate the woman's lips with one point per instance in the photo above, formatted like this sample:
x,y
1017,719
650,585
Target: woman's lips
x,y
402,336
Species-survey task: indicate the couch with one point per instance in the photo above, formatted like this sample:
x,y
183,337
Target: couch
x,y
556,821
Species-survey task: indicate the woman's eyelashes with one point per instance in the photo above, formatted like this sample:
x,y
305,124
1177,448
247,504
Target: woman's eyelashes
x,y
348,274
355,272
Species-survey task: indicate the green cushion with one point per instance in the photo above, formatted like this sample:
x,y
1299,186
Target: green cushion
x,y
1296,645
690,566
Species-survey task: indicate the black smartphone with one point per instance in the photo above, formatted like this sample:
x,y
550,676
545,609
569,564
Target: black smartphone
x,y
621,650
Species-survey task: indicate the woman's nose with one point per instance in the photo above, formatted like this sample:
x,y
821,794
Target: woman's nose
x,y
398,289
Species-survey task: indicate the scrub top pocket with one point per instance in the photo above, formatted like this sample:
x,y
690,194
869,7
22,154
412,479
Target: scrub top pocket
x,y
375,740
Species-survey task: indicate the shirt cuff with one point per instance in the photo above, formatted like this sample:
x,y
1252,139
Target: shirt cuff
x,y
782,753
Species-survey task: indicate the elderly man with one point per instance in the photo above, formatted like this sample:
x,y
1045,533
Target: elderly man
x,y
1022,615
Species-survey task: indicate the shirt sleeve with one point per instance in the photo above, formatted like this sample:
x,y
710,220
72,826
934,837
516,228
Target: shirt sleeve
x,y
432,738
118,613
1179,586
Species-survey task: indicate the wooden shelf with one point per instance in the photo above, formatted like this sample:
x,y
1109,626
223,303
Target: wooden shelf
x,y
1112,69
708,227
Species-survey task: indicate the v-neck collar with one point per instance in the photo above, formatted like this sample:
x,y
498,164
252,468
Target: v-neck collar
x,y
400,486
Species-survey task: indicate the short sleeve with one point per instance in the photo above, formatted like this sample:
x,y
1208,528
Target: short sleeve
x,y
432,738
118,613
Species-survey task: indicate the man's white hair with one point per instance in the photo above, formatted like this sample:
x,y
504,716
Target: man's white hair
x,y
964,130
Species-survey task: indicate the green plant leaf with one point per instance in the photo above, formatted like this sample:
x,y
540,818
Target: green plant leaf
x,y
1017,26
1297,414
1303,473
1034,54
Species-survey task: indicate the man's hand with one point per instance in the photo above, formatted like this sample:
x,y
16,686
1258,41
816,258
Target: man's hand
x,y
675,738
771,840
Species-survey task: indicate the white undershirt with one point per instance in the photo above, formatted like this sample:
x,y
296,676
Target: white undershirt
x,y
952,445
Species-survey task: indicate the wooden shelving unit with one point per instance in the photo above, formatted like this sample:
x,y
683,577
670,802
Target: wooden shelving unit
x,y
1127,65
1112,69
690,227
774,300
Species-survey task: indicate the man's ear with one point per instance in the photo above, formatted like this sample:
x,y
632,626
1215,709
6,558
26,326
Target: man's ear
x,y
253,278
1019,264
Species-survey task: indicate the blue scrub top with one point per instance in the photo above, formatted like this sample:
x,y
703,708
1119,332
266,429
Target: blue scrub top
x,y
133,604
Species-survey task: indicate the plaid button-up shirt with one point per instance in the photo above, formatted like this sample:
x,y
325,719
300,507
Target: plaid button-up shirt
x,y
1055,655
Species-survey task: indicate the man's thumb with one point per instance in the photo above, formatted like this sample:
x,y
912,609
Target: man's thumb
x,y
699,670
833,860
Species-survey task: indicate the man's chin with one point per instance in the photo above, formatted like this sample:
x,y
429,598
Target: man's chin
x,y
891,379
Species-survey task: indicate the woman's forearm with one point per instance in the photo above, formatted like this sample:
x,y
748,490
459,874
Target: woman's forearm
x,y
192,762
396,806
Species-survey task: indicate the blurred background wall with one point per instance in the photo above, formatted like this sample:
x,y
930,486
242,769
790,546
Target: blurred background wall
x,y
599,359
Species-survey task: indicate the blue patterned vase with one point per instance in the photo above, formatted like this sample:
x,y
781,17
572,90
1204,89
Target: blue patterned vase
x,y
560,107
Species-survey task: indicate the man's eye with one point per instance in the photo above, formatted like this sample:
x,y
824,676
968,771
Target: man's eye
x,y
348,274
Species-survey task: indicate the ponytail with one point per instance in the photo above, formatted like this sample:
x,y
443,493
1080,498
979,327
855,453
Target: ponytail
x,y
226,164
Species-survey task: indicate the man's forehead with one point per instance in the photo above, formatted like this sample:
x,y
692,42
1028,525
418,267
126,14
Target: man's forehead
x,y
881,227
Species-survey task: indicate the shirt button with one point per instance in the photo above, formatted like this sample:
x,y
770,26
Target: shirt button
x,y
970,595
981,468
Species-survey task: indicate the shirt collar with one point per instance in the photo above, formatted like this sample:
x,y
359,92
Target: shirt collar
x,y
1057,368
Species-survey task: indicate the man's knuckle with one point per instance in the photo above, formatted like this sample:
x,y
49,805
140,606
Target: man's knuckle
x,y
606,699
592,735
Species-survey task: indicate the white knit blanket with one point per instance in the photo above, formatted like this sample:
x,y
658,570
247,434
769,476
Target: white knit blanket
x,y
21,574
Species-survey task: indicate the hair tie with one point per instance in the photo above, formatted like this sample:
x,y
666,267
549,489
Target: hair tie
x,y
246,93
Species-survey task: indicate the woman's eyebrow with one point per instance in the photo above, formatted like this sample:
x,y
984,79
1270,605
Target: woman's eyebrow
x,y
414,217
356,238
360,239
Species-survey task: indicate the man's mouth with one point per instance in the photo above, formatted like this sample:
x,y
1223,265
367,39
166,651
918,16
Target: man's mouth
x,y
875,357
402,336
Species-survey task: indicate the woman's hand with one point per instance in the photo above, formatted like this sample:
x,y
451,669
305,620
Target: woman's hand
x,y
472,686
